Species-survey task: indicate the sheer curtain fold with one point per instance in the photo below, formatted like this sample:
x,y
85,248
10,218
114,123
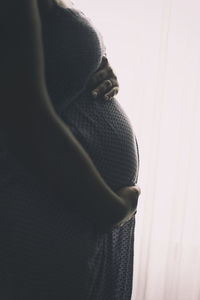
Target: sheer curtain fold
x,y
167,245
154,47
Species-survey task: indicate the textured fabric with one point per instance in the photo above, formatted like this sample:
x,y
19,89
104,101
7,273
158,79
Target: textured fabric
x,y
46,251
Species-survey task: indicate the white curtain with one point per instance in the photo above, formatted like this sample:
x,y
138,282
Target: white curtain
x,y
154,47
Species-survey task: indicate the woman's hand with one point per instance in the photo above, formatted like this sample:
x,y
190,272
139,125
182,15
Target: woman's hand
x,y
130,194
103,84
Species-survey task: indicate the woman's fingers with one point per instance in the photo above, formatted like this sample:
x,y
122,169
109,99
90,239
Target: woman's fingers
x,y
104,72
109,96
130,194
103,83
136,188
100,75
106,88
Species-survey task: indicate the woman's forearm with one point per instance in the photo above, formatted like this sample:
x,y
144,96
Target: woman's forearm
x,y
35,133
46,147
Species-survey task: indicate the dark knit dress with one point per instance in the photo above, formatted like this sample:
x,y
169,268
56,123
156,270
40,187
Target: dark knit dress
x,y
47,251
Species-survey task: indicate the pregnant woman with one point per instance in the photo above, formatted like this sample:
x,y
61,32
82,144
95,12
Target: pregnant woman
x,y
67,228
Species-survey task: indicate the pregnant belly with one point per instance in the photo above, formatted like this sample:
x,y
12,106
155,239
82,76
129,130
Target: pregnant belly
x,y
104,131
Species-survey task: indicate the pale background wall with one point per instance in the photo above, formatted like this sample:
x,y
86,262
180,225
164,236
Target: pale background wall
x,y
154,47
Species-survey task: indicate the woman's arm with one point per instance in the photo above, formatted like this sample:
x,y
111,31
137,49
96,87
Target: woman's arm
x,y
35,133
46,147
